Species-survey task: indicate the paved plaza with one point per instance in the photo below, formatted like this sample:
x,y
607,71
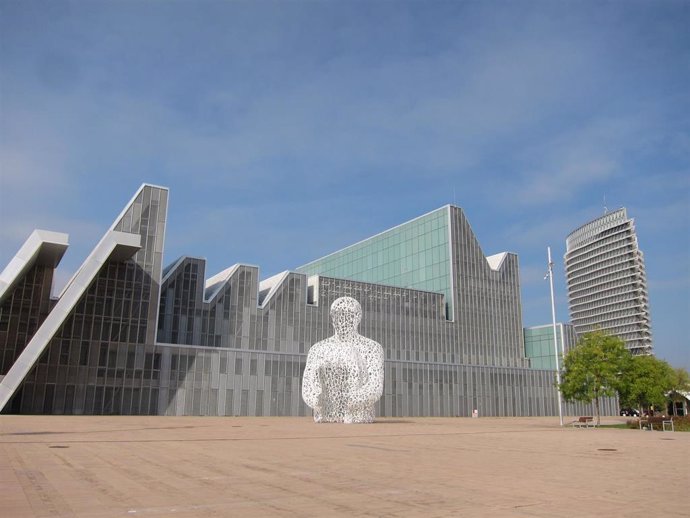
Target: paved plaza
x,y
99,466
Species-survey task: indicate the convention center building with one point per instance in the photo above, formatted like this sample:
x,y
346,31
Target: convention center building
x,y
127,335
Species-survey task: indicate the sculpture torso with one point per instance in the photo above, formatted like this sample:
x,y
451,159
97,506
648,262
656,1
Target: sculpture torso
x,y
343,377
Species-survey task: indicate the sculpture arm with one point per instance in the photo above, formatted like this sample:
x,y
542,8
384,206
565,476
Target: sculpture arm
x,y
371,391
311,384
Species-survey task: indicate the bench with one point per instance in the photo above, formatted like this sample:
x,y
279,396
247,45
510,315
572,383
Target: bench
x,y
584,421
661,421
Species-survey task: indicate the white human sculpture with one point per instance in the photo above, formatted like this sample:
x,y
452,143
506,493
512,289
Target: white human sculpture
x,y
343,378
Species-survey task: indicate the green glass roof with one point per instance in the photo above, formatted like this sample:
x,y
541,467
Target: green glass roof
x,y
414,255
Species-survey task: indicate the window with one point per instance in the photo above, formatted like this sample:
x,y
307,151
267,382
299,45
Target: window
x,y
84,354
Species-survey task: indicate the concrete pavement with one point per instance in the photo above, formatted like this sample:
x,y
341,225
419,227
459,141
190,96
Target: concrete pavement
x,y
96,466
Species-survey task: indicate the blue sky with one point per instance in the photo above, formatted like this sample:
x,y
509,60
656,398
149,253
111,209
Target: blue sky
x,y
287,130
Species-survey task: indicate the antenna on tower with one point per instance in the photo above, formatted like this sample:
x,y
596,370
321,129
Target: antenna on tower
x,y
606,210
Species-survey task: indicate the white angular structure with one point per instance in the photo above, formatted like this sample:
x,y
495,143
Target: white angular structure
x,y
607,284
43,247
343,377
115,246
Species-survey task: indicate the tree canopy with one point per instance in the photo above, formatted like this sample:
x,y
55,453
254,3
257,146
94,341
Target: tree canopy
x,y
646,381
680,380
600,366
680,385
593,368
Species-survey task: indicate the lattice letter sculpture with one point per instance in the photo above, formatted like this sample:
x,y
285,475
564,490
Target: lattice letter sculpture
x,y
343,378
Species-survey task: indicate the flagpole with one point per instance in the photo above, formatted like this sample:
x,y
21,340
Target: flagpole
x,y
555,336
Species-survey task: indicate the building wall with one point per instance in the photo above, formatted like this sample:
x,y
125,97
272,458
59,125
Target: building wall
x,y
434,365
102,359
262,374
607,283
539,344
21,313
413,255
230,349
488,312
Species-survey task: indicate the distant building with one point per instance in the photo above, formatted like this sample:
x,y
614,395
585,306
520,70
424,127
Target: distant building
x,y
539,347
128,336
678,402
607,284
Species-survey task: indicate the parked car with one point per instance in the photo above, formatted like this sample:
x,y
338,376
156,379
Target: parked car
x,y
630,412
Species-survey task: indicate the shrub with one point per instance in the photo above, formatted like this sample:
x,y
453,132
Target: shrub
x,y
680,424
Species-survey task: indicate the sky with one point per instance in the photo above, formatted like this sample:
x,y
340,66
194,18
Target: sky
x,y
288,130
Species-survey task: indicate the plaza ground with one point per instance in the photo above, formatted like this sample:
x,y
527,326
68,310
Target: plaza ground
x,y
95,466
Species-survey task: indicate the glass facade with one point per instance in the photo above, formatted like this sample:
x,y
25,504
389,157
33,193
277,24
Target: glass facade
x,y
22,312
413,255
146,340
539,344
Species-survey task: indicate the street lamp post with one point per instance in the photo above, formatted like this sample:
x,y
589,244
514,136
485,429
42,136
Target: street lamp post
x,y
555,336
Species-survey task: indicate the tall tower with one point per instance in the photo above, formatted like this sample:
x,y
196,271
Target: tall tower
x,y
607,284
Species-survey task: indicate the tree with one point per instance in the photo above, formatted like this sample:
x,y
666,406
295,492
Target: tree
x,y
592,369
646,381
680,385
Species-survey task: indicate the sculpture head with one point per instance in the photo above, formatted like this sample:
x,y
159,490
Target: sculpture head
x,y
346,314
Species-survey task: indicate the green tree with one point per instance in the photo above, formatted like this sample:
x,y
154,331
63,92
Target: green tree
x,y
592,369
646,381
680,382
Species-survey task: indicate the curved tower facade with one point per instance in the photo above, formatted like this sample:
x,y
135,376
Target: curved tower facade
x,y
607,284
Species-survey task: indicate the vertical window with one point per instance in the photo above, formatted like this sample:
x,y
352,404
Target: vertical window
x,y
64,352
84,353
